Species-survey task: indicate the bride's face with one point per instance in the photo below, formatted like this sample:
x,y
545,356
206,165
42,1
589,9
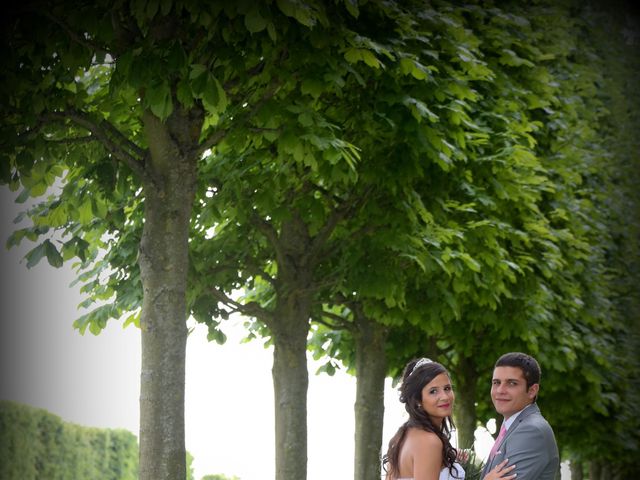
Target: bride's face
x,y
438,398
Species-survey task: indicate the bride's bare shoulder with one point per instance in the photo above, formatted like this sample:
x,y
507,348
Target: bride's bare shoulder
x,y
423,438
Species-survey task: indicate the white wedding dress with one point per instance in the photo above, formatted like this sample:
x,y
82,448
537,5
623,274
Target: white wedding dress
x,y
446,475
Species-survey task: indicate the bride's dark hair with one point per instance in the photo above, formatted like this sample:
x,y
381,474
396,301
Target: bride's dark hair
x,y
411,395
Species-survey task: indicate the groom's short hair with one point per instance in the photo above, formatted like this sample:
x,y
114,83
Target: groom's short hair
x,y
529,365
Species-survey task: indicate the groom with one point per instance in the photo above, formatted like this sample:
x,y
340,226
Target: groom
x,y
526,439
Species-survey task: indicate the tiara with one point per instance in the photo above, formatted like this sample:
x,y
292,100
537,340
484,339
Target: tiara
x,y
419,363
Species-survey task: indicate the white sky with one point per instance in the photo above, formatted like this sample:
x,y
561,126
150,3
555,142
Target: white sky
x,y
94,380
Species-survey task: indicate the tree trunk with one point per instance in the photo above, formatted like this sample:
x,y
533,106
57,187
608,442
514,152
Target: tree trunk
x,y
163,259
290,328
290,383
576,470
595,470
465,410
371,369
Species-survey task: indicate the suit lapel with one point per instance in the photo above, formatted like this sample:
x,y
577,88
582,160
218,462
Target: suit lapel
x,y
530,410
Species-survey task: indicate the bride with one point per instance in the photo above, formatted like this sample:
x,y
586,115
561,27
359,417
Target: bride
x,y
420,449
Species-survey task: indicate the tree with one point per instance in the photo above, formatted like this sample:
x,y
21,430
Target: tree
x,y
121,102
294,247
526,262
476,183
63,114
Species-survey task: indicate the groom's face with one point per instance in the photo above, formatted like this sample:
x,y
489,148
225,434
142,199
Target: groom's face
x,y
509,391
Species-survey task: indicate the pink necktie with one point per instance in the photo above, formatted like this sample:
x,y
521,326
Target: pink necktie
x,y
494,449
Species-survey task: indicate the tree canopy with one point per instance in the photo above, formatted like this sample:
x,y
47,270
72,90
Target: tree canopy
x,y
384,178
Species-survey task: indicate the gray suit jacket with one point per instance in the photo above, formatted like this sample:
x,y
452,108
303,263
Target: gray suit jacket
x,y
531,446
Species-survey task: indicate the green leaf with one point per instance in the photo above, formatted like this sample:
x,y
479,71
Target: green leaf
x,y
370,59
35,255
58,216
76,247
352,7
165,7
312,86
23,196
271,30
133,319
177,58
210,96
152,8
353,55
53,256
420,110
85,212
305,119
287,7
158,99
96,320
98,207
416,69
298,10
213,95
216,335
184,94
254,21
444,161
197,70
470,262
25,161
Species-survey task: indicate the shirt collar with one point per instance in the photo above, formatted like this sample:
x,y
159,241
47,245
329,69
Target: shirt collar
x,y
512,418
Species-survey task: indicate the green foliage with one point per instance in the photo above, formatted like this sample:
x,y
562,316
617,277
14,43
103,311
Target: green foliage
x,y
36,444
472,466
518,212
189,463
219,476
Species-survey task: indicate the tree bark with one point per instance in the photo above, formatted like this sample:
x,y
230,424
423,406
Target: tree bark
x,y
576,470
290,328
465,410
163,258
371,369
290,382
595,470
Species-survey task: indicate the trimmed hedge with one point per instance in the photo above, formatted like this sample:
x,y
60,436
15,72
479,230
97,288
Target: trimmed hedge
x,y
35,444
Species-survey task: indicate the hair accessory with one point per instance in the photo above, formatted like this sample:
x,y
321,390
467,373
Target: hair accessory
x,y
419,363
